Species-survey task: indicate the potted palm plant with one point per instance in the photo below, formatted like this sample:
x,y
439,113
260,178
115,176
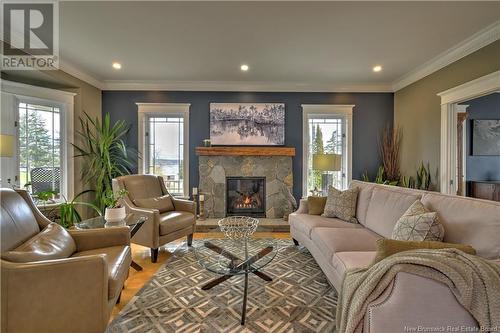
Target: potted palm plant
x,y
115,212
104,155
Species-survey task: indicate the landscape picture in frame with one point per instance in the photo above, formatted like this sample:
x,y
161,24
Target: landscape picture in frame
x,y
486,137
247,124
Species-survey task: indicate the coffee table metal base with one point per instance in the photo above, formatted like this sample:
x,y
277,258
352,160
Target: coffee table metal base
x,y
238,267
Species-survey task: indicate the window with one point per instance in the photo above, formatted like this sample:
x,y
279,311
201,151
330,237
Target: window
x,y
41,120
327,147
163,144
39,142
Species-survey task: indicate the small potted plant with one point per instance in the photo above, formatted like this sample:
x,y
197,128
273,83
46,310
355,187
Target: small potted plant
x,y
115,212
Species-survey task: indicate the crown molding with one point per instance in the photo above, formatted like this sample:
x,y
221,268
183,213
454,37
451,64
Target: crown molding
x,y
254,86
470,45
79,74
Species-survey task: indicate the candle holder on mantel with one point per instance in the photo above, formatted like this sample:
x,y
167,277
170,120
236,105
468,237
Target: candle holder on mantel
x,y
202,207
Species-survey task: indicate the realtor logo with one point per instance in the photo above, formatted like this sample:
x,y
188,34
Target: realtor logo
x,y
30,33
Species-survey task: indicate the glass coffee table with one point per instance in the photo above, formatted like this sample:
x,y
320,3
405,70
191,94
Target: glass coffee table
x,y
229,258
133,221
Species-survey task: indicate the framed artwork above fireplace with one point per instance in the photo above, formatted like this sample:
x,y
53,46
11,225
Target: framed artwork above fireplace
x,y
247,124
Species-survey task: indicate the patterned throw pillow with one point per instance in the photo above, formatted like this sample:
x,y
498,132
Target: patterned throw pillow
x,y
418,224
342,204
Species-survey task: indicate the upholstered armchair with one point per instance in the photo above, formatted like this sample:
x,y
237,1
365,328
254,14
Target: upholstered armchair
x,y
53,279
169,218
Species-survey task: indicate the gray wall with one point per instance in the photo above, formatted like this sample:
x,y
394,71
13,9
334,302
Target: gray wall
x,y
371,113
482,167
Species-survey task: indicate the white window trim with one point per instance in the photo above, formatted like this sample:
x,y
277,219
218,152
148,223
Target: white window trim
x,y
342,110
65,101
449,108
148,109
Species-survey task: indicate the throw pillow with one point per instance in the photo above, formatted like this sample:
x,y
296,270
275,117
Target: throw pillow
x,y
418,224
163,204
342,204
316,205
53,242
388,247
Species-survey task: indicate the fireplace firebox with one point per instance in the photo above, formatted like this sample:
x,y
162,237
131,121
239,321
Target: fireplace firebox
x,y
246,196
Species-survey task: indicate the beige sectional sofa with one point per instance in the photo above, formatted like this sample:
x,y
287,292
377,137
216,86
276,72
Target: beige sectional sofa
x,y
411,300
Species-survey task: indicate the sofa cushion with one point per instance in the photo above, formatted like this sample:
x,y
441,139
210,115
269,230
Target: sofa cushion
x,y
468,221
364,196
341,204
163,203
333,240
418,224
388,247
173,221
386,206
53,242
316,205
305,223
343,261
118,259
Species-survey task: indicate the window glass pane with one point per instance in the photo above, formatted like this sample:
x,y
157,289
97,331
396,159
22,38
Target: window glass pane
x,y
39,148
166,151
325,137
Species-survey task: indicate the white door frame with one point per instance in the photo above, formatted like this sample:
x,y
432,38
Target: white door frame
x,y
449,109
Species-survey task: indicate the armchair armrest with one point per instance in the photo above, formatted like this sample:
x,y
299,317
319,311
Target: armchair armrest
x,y
64,295
99,238
415,301
184,205
149,232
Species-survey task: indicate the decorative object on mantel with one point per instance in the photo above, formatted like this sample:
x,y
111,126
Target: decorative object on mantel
x,y
207,143
202,207
247,124
245,151
486,137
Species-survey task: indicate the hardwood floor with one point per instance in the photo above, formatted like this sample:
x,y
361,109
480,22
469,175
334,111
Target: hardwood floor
x,y
141,256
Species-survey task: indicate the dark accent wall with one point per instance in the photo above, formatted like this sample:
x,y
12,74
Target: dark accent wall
x,y
372,112
482,167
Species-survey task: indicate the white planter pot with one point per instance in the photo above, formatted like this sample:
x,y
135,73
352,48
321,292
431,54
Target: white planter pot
x,y
115,214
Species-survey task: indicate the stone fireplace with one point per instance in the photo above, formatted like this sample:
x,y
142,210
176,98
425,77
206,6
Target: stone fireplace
x,y
234,179
246,196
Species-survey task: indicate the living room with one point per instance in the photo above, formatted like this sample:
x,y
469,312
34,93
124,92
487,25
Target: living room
x,y
289,166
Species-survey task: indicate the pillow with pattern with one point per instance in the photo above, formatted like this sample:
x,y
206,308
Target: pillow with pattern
x,y
342,204
418,224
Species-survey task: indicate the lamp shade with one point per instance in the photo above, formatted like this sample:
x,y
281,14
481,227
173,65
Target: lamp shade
x,y
327,162
6,145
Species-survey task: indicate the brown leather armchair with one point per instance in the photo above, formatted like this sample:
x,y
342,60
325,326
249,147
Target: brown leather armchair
x,y
160,228
71,294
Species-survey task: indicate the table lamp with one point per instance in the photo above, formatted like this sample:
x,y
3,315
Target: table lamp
x,y
6,149
6,145
326,163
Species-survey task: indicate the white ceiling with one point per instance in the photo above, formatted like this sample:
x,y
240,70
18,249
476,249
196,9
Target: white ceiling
x,y
298,44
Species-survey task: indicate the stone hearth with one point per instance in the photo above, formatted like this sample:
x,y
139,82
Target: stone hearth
x,y
276,169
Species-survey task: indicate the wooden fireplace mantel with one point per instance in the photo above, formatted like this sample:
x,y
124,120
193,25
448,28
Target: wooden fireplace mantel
x,y
245,151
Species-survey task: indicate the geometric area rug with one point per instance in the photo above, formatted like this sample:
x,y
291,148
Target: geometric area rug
x,y
299,299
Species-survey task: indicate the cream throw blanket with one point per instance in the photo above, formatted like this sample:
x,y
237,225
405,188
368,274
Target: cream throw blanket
x,y
474,281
